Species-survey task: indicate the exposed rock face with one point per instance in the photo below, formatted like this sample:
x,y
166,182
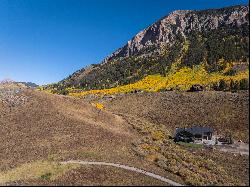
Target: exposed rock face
x,y
140,56
11,94
182,22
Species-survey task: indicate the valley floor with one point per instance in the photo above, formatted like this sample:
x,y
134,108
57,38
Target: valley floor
x,y
47,129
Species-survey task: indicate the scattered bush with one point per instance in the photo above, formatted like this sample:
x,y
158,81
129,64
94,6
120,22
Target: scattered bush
x,y
46,176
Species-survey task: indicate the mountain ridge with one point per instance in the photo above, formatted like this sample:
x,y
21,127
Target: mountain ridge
x,y
154,49
175,18
16,83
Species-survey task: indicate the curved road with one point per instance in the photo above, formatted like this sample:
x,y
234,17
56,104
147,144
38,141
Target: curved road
x,y
126,168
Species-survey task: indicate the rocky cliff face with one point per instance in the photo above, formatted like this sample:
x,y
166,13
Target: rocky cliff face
x,y
211,34
182,23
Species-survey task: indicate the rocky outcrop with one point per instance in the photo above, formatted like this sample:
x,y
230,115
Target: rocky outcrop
x,y
182,22
12,97
140,56
11,93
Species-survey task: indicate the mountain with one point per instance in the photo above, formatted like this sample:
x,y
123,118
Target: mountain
x,y
21,84
185,38
29,84
6,81
107,138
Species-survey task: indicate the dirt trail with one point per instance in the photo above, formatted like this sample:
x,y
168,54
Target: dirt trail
x,y
61,128
168,181
237,148
47,124
58,128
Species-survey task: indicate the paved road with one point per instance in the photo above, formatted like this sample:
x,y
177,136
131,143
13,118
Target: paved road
x,y
168,181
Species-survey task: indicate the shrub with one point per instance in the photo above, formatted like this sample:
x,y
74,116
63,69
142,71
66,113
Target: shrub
x,y
244,84
63,92
46,176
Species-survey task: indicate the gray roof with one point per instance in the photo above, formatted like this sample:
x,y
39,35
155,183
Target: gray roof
x,y
196,130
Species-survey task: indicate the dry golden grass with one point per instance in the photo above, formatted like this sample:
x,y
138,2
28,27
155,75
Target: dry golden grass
x,y
223,111
56,128
35,170
156,115
99,176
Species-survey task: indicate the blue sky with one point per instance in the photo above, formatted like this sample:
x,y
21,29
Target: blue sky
x,y
44,41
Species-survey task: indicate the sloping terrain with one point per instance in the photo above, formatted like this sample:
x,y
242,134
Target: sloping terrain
x,y
156,115
216,38
224,111
126,109
47,128
96,176
132,130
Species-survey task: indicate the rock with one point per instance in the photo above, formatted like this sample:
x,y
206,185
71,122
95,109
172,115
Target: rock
x,y
182,22
11,95
150,44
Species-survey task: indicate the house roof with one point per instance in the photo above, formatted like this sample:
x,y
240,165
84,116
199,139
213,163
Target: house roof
x,y
196,130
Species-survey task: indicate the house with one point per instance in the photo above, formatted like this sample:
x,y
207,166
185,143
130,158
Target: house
x,y
195,134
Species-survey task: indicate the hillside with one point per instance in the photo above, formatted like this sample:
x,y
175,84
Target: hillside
x,y
29,84
45,129
123,122
223,111
217,39
11,83
154,114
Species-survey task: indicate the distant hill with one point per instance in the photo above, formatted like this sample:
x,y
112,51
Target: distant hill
x,y
216,38
6,81
29,84
25,84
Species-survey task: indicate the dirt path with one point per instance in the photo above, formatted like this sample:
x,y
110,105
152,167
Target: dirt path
x,y
126,168
53,127
237,148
